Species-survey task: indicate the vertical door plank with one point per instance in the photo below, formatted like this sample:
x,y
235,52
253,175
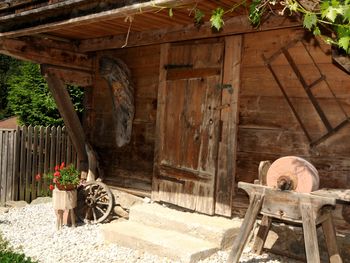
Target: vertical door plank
x,y
28,164
64,145
229,120
47,155
2,157
16,172
4,166
159,141
22,180
10,163
53,148
58,144
41,157
69,150
34,162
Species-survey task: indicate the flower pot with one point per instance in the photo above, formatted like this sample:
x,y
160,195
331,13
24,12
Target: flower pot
x,y
67,187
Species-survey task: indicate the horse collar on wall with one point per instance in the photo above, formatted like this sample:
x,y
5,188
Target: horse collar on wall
x,y
118,77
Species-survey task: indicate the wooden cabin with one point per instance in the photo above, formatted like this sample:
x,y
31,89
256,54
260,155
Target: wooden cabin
x,y
206,106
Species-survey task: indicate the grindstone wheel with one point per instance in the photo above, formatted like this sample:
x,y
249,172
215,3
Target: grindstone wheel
x,y
95,202
293,173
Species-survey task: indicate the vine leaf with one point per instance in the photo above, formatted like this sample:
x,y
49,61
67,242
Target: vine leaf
x,y
216,18
344,42
310,20
198,16
317,31
331,13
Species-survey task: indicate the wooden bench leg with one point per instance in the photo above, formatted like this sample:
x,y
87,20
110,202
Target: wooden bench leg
x,y
262,235
72,217
310,234
246,228
331,240
59,219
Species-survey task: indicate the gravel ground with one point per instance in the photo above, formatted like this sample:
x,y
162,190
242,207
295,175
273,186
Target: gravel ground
x,y
32,230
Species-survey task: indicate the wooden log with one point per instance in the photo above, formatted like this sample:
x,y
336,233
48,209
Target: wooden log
x,y
331,240
164,50
262,234
235,25
66,109
72,76
43,55
310,234
225,179
247,226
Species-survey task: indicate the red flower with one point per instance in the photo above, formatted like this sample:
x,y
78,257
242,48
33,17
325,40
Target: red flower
x,y
57,167
51,187
62,165
55,180
57,174
38,177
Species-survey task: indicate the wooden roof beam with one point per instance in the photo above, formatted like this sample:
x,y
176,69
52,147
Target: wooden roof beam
x,y
42,54
105,15
235,25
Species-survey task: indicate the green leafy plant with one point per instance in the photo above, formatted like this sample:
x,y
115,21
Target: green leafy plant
x,y
8,255
329,19
64,177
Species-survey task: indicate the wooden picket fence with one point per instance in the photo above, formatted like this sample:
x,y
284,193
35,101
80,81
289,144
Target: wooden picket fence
x,y
28,151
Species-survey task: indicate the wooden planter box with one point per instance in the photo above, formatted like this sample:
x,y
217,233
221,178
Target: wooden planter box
x,y
64,203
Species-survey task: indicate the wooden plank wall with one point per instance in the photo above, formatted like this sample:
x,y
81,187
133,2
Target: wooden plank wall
x,y
7,164
29,151
130,166
269,130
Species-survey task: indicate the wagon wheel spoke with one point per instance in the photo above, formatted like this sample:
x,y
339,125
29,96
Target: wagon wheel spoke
x,y
101,196
102,203
95,202
86,218
100,209
94,215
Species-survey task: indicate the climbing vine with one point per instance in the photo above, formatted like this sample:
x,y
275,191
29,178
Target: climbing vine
x,y
328,19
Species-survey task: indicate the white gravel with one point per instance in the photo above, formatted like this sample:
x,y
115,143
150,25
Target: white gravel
x,y
32,230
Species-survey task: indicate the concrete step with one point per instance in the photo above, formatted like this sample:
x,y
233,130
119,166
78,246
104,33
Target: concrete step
x,y
218,230
166,243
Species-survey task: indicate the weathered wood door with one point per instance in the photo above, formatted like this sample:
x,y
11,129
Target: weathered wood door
x,y
189,124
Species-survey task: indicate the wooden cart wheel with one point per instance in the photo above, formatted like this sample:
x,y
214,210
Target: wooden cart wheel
x,y
95,202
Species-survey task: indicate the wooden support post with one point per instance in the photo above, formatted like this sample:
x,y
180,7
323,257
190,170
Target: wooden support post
x,y
262,234
69,115
247,226
310,234
331,240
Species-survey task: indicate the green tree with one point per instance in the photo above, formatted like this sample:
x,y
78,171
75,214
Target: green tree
x,y
29,97
8,67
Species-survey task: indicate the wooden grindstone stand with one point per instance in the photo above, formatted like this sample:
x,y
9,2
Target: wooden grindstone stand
x,y
64,202
308,209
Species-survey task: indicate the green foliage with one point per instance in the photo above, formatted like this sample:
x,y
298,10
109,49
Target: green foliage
x,y
331,21
198,16
216,18
7,254
8,67
29,97
255,12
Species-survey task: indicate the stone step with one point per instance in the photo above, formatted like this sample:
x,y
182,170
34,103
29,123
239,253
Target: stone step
x,y
165,243
218,230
